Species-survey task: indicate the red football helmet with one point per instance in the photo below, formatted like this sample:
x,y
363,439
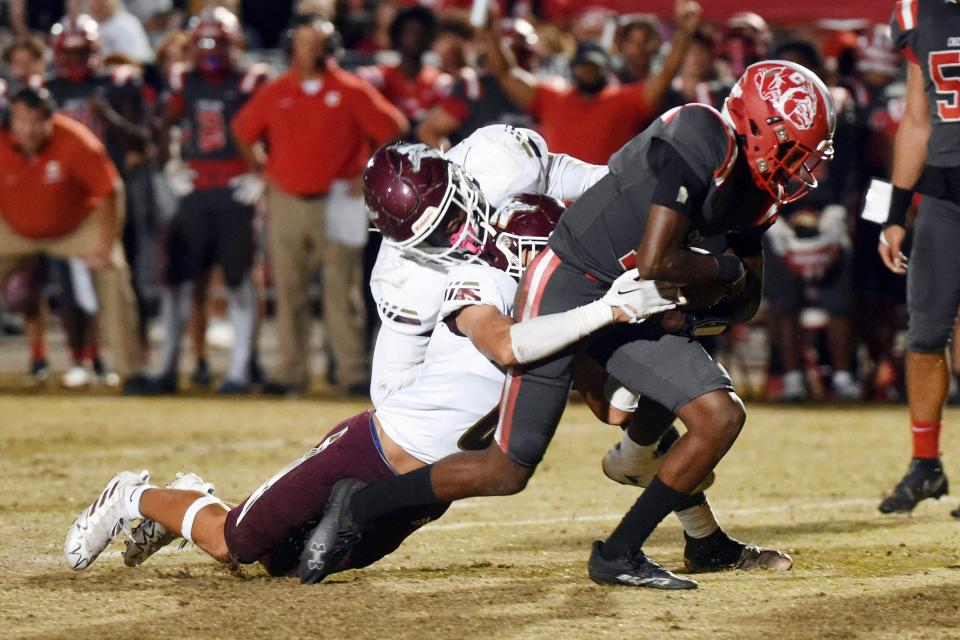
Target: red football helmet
x,y
785,119
76,45
215,36
426,205
523,224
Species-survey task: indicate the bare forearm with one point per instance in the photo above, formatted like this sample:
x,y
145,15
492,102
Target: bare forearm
x,y
657,86
675,264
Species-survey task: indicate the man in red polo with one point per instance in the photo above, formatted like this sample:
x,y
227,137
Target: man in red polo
x,y
60,194
322,124
594,116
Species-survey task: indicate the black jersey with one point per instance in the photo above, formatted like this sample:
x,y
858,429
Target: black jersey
x,y
122,90
928,32
205,110
687,160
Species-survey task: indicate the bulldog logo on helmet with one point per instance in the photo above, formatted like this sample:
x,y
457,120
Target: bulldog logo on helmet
x,y
790,93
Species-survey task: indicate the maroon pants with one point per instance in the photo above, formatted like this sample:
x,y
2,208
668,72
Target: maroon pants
x,y
272,524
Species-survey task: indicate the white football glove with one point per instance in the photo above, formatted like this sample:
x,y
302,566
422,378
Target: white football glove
x,y
180,177
247,188
641,299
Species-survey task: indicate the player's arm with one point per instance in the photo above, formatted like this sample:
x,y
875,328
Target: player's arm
x,y
517,83
568,178
686,20
909,158
510,343
662,255
436,127
125,120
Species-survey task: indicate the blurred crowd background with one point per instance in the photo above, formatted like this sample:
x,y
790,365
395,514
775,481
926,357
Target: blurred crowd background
x,y
587,75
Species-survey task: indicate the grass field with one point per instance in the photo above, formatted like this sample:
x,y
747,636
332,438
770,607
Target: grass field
x,y
805,480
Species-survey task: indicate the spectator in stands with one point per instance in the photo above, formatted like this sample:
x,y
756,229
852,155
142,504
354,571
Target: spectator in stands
x,y
637,41
24,60
121,33
593,118
410,85
452,44
477,98
322,124
61,195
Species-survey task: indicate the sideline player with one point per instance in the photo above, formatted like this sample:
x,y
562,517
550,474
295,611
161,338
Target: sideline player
x,y
926,160
692,173
214,221
445,409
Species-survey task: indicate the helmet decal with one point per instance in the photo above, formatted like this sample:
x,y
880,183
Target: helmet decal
x,y
790,93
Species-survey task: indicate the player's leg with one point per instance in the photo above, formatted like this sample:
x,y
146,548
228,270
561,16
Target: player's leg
x,y
197,329
836,292
933,295
531,406
783,291
235,247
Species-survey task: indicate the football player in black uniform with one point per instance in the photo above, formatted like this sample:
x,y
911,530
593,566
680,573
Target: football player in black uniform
x,y
214,221
926,160
694,172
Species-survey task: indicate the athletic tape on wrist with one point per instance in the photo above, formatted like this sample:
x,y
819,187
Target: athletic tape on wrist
x,y
186,529
537,338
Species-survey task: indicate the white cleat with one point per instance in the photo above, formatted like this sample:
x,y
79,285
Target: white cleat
x,y
99,523
76,377
636,465
149,536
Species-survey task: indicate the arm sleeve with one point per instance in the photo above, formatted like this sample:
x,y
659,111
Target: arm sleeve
x,y
380,120
568,178
678,186
903,28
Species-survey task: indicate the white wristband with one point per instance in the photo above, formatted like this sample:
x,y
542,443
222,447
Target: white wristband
x,y
537,338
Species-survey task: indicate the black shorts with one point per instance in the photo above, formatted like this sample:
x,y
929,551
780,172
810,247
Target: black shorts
x,y
209,228
668,369
933,279
272,524
789,293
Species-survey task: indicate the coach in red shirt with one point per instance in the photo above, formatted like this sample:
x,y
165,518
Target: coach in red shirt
x,y
320,124
594,117
60,194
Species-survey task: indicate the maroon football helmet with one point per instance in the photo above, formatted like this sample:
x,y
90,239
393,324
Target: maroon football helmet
x,y
76,47
426,205
523,224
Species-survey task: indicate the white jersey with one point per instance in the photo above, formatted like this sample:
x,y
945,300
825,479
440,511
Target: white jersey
x,y
456,386
505,161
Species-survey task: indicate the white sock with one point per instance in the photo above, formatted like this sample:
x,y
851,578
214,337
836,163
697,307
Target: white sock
x,y
698,521
842,377
131,500
631,449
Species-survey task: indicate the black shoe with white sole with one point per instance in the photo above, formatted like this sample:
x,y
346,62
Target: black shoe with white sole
x,y
333,538
633,570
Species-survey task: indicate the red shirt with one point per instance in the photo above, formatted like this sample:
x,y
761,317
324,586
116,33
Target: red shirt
x,y
413,96
52,194
315,139
590,128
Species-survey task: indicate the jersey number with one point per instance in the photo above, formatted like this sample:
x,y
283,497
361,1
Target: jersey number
x,y
212,135
948,109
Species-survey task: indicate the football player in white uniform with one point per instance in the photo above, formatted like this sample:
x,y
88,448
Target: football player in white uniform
x,y
442,411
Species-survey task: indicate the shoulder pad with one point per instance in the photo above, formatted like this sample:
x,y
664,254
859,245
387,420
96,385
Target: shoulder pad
x,y
703,137
467,286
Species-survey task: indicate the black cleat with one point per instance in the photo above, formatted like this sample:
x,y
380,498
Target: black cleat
x,y
924,479
956,512
636,570
333,538
142,385
201,376
718,552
